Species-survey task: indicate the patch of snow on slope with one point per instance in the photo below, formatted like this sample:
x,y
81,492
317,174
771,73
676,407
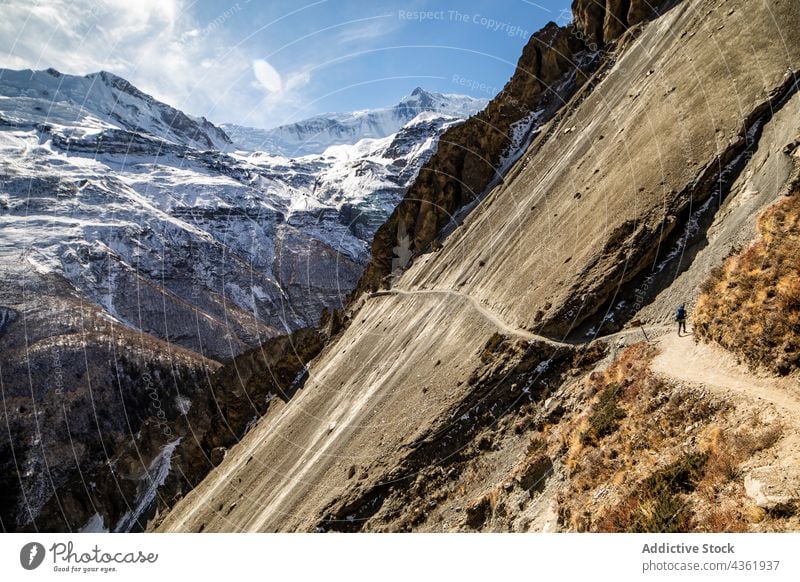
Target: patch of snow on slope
x,y
153,479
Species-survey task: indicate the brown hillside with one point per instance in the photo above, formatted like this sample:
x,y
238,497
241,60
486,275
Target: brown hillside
x,y
751,304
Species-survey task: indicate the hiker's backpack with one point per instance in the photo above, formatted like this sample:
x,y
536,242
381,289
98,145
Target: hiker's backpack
x,y
680,314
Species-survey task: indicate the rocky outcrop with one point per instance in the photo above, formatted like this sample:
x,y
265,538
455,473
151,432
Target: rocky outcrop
x,y
774,488
604,21
589,17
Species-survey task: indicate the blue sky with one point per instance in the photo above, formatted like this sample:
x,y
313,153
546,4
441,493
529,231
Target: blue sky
x,y
267,63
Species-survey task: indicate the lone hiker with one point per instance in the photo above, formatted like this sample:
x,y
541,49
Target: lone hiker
x,y
680,317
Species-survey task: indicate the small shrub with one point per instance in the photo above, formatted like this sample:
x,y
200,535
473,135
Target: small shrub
x,y
681,476
606,416
536,445
492,347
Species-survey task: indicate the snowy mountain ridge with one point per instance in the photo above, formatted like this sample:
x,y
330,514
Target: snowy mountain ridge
x,y
113,190
99,102
316,134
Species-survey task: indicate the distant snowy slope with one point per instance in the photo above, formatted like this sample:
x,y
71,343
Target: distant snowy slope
x,y
114,191
316,134
98,102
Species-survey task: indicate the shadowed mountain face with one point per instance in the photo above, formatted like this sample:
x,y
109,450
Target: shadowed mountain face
x,y
485,378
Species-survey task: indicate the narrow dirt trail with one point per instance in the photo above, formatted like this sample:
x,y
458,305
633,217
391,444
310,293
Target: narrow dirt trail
x,y
772,475
483,310
698,363
503,325
679,358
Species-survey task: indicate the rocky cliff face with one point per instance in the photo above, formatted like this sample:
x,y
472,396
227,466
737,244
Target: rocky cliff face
x,y
603,21
488,388
473,157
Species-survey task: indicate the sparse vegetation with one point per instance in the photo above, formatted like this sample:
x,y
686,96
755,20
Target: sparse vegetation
x,y
606,415
751,304
650,456
492,347
656,505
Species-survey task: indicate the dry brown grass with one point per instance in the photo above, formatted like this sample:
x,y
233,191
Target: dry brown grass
x,y
673,461
697,491
751,304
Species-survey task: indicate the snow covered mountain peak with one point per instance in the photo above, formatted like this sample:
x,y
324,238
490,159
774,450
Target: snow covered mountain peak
x,y
316,134
101,102
109,189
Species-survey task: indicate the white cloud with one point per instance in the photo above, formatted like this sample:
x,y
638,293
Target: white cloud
x,y
270,79
159,46
367,29
267,76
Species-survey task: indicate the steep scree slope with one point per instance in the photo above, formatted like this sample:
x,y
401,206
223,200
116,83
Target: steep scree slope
x,y
555,64
608,182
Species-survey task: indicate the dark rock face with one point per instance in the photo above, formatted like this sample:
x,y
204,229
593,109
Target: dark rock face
x,y
7,316
589,18
616,18
77,390
604,21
